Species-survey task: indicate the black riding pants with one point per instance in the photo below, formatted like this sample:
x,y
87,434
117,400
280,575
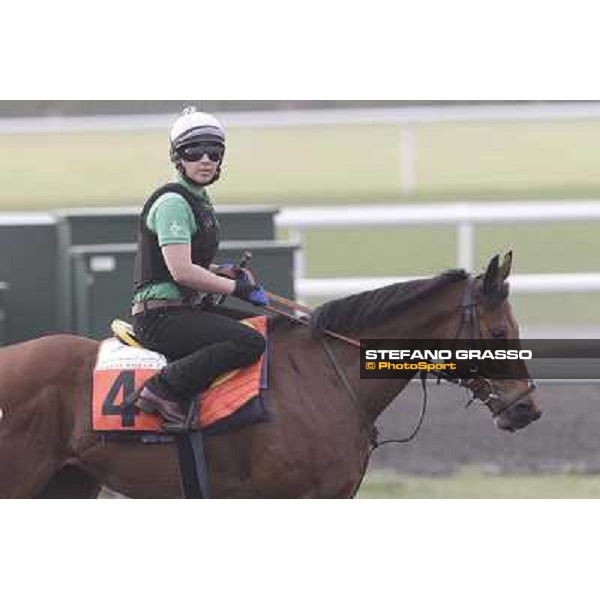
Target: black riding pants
x,y
199,343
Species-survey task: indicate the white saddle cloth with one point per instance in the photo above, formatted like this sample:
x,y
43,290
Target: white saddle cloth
x,y
114,355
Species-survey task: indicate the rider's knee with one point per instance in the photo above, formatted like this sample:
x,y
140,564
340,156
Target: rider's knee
x,y
255,343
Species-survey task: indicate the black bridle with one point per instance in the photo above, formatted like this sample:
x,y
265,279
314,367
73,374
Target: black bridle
x,y
482,388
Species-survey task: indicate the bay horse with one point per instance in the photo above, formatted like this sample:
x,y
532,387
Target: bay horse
x,y
317,443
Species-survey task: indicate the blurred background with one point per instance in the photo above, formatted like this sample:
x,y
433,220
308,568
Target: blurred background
x,y
335,197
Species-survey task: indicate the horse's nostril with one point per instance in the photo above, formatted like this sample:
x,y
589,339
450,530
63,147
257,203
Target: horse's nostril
x,y
526,411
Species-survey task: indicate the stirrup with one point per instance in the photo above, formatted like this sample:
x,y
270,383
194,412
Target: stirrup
x,y
175,428
160,406
186,426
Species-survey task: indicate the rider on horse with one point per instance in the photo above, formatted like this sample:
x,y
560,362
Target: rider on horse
x,y
173,308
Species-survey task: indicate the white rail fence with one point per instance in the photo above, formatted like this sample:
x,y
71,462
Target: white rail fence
x,y
463,216
537,111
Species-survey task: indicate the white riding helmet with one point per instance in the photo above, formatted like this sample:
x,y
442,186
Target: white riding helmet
x,y
193,126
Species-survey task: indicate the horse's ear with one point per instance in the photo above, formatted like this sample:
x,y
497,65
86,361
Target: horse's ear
x,y
505,266
490,278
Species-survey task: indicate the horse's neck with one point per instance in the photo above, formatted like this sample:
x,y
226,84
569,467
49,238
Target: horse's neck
x,y
439,322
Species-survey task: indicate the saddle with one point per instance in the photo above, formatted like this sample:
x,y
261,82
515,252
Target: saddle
x,y
123,365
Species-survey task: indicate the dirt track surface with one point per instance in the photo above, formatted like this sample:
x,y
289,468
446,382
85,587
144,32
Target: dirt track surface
x,y
566,438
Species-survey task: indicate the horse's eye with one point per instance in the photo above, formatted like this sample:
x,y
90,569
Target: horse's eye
x,y
498,334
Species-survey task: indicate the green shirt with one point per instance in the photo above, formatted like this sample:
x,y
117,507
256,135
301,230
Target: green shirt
x,y
172,220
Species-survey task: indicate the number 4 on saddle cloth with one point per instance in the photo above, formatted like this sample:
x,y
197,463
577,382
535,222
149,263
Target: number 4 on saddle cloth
x,y
234,399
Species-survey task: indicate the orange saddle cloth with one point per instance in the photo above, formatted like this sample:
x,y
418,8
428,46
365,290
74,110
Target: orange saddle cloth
x,y
121,370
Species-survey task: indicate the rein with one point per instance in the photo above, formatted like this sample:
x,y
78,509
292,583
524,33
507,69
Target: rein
x,y
302,320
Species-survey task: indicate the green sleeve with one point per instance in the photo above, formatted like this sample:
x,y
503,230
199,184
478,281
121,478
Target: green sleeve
x,y
172,220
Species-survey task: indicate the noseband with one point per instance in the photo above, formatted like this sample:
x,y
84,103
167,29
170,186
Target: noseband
x,y
482,388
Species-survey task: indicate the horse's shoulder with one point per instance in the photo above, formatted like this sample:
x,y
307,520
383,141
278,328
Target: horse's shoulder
x,y
54,346
48,358
72,345
72,340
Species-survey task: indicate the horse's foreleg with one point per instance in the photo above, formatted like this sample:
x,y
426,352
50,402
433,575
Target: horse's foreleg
x,y
32,448
23,474
71,482
42,383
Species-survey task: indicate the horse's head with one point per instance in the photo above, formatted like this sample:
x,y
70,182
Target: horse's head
x,y
510,400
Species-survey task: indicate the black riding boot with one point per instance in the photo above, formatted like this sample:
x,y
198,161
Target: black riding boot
x,y
155,398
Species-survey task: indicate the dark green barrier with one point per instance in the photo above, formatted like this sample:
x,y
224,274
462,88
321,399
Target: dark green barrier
x,y
88,227
119,225
28,264
95,226
102,286
247,222
102,278
41,254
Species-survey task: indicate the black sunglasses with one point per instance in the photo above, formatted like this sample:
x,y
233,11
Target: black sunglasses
x,y
197,152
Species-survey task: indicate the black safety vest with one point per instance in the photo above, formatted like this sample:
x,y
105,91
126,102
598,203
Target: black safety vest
x,y
150,265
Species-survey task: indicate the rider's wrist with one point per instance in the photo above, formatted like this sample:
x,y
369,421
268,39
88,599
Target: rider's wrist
x,y
242,288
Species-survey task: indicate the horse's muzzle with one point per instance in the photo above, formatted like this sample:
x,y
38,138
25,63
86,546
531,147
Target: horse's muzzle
x,y
519,415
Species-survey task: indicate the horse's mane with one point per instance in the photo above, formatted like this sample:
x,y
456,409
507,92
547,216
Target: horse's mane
x,y
370,308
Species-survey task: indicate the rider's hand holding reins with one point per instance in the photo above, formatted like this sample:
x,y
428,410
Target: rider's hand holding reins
x,y
245,283
246,289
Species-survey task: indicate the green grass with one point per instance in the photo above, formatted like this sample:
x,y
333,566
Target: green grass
x,y
353,164
559,248
474,484
312,165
